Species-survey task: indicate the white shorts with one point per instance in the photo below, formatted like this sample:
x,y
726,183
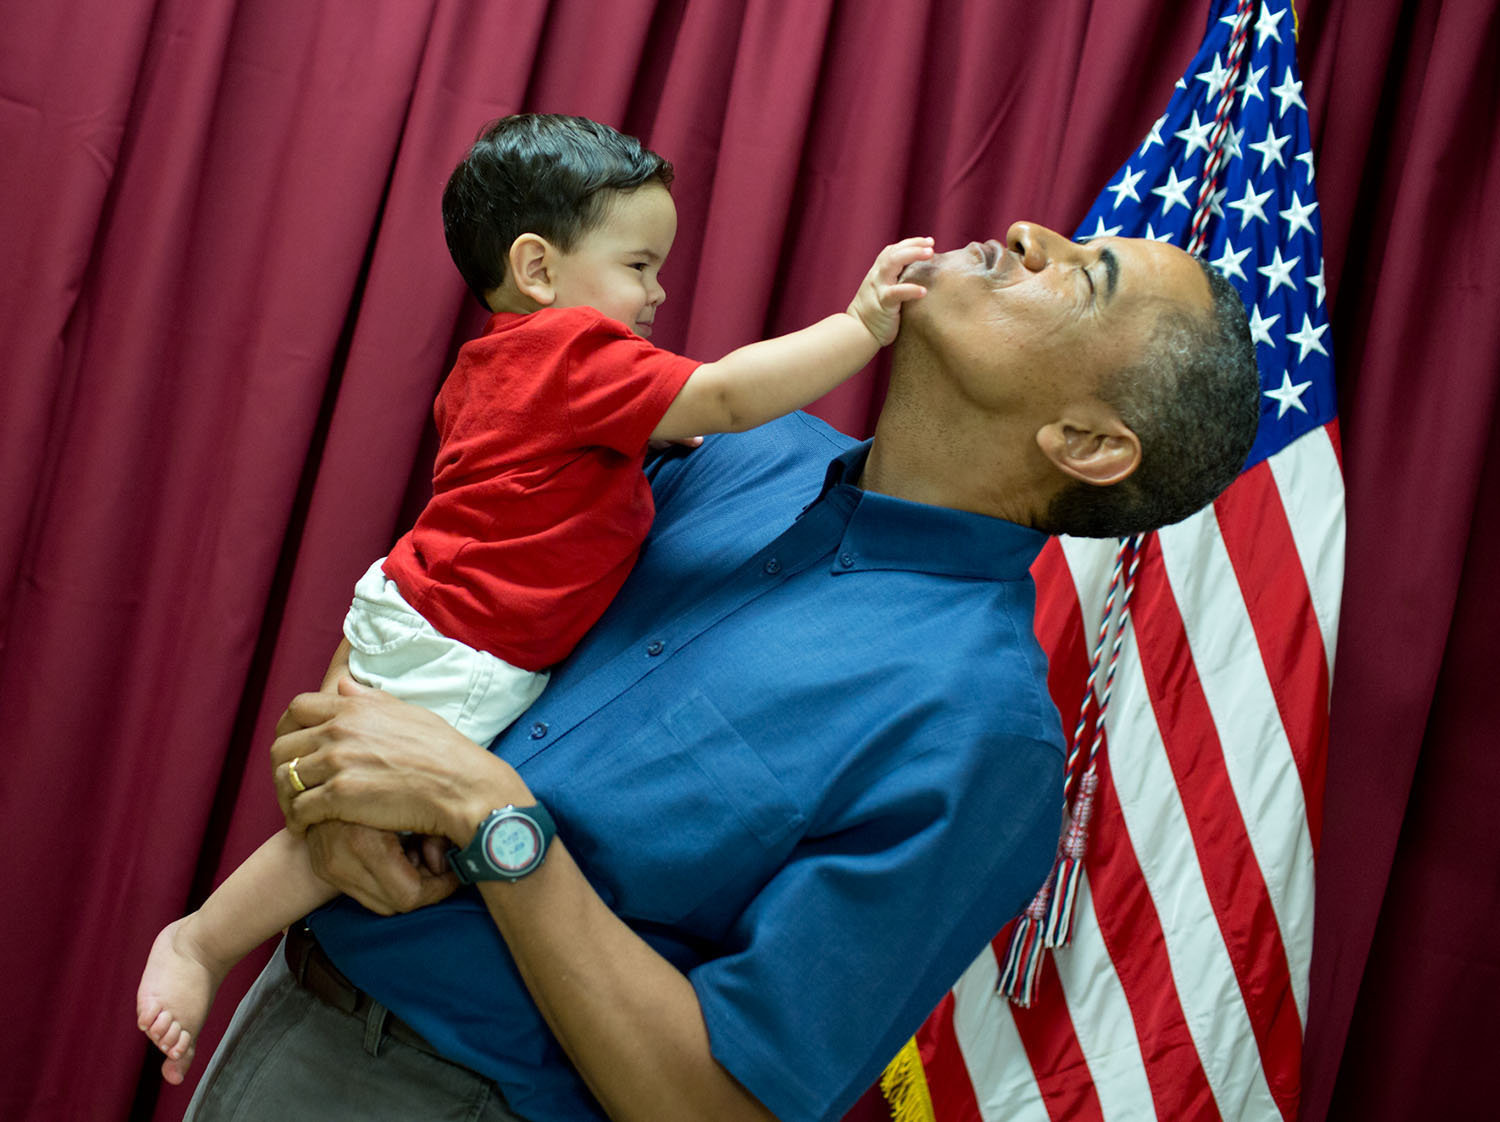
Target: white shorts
x,y
394,649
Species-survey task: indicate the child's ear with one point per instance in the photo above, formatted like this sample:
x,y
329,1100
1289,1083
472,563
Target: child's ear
x,y
530,262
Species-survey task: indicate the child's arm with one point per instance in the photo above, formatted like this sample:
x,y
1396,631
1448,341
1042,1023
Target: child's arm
x,y
759,382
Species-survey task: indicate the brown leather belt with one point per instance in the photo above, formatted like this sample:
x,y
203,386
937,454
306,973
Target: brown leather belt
x,y
316,973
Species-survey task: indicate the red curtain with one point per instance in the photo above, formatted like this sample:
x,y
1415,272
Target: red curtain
x,y
225,306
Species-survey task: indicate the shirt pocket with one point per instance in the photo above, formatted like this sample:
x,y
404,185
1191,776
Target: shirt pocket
x,y
684,816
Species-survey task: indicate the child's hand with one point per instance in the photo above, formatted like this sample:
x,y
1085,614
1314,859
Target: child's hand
x,y
878,302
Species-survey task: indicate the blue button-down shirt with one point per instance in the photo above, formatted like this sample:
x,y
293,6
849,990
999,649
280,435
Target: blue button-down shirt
x,y
808,755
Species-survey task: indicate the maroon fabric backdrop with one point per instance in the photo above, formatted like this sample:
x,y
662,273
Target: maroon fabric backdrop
x,y
226,304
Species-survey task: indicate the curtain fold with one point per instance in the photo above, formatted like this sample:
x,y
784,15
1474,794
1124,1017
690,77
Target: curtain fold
x,y
227,304
1414,186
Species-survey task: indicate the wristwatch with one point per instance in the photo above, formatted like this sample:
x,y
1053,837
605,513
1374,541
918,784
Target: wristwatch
x,y
509,844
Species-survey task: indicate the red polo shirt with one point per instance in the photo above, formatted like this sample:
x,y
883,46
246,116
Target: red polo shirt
x,y
539,503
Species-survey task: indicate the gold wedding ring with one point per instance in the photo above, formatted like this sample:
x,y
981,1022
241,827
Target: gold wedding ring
x,y
296,780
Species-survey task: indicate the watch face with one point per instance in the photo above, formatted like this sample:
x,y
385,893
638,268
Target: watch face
x,y
513,843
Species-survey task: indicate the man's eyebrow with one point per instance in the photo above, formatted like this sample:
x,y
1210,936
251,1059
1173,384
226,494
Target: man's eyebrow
x,y
1111,271
1111,266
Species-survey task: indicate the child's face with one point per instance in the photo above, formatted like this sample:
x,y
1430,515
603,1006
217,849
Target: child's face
x,y
614,267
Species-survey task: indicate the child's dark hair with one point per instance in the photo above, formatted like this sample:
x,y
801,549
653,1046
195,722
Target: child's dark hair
x,y
543,174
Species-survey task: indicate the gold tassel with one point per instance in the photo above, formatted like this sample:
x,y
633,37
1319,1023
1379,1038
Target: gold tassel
x,y
904,1085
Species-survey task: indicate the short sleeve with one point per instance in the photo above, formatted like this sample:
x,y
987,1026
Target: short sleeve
x,y
855,940
618,385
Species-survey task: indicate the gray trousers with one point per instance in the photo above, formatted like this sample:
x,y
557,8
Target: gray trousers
x,y
287,1056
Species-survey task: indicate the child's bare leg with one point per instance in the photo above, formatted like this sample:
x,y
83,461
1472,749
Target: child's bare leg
x,y
273,888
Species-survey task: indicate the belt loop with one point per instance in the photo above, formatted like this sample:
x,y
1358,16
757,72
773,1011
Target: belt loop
x,y
375,1027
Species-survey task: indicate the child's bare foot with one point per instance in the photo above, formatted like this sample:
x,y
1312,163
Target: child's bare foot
x,y
176,989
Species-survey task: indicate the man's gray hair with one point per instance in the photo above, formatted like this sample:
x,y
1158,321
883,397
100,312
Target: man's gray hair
x,y
1194,403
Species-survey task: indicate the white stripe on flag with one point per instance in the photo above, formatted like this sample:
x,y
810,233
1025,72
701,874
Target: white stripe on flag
x,y
1201,969
1101,1019
1089,562
1006,1090
1257,755
1307,475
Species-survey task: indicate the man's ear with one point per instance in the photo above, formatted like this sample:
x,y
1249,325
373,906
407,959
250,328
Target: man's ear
x,y
1102,451
530,262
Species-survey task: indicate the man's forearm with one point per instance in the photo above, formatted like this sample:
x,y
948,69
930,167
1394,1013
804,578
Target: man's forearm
x,y
629,1020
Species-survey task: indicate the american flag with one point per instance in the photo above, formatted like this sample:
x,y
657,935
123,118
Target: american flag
x,y
1182,993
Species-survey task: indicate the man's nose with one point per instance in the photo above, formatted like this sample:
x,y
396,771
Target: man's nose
x,y
1034,244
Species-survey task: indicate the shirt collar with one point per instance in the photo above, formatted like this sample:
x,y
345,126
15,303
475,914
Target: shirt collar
x,y
889,533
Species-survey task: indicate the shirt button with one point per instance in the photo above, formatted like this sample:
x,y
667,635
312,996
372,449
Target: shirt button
x,y
846,559
655,647
772,567
538,730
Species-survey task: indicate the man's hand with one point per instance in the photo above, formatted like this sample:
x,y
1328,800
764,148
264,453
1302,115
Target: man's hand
x,y
375,868
878,302
360,755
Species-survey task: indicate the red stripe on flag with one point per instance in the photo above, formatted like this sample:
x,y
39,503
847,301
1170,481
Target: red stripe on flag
x,y
1127,917
1332,429
1047,1034
1132,932
1059,629
948,1082
1235,885
1273,585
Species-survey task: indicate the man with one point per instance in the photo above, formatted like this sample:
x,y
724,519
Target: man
x,y
802,769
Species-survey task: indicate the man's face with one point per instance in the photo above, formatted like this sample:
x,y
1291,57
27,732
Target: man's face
x,y
1042,316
